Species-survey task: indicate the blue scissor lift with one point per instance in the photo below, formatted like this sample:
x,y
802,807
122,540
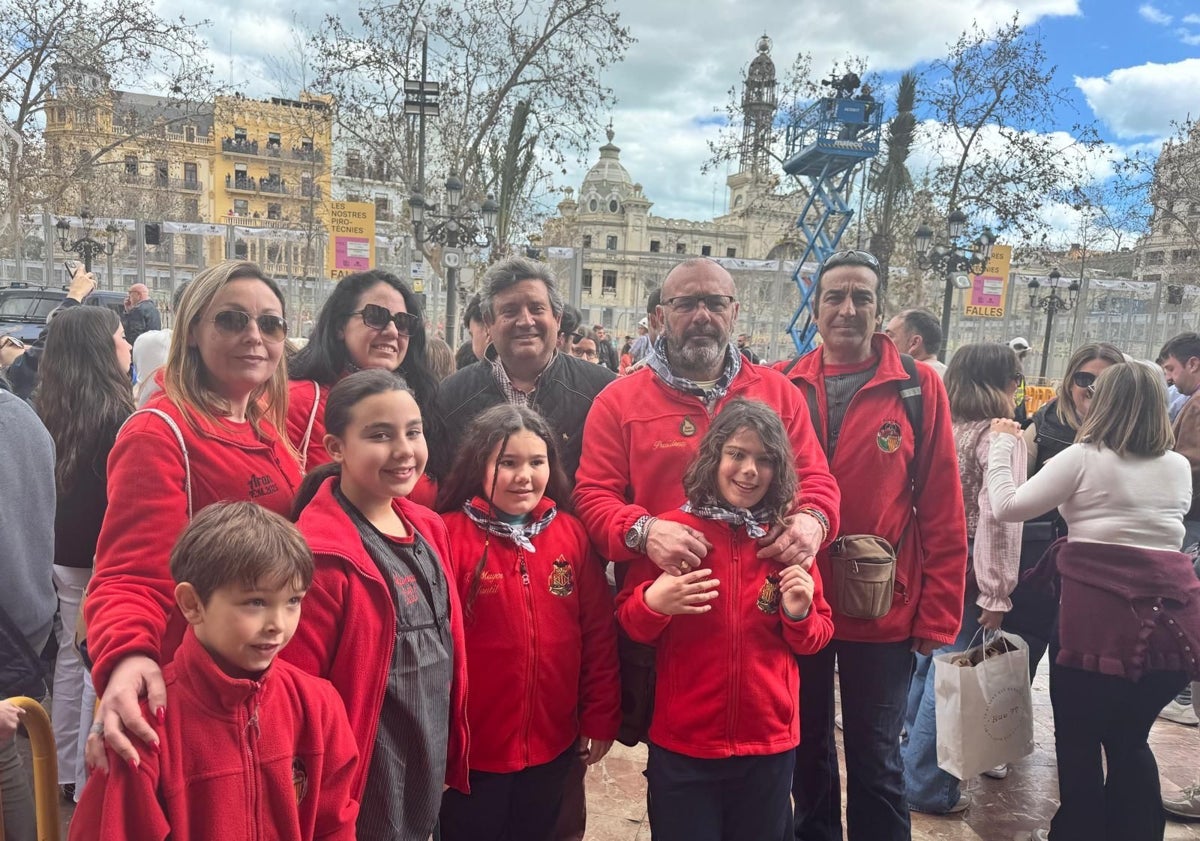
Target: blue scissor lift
x,y
825,144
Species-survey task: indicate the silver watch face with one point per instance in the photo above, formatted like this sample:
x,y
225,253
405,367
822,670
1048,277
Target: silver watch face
x,y
632,537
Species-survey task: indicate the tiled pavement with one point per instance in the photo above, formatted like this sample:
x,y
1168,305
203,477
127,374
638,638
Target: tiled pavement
x,y
1003,810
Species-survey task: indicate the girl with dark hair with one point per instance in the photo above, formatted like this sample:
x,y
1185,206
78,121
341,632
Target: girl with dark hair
x,y
372,320
981,382
726,713
83,397
541,643
382,620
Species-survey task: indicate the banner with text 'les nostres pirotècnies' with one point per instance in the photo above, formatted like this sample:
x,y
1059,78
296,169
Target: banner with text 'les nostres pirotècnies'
x,y
988,292
351,238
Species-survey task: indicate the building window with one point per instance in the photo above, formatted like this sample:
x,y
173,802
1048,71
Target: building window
x,y
593,205
274,211
131,165
383,209
610,282
162,173
191,180
241,207
586,280
681,248
306,187
306,145
1155,258
610,243
613,205
1183,255
1151,278
239,135
354,165
353,197
240,249
191,250
587,240
655,246
731,252
189,134
706,251
273,140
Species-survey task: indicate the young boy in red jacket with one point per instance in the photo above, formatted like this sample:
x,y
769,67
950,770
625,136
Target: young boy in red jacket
x,y
247,747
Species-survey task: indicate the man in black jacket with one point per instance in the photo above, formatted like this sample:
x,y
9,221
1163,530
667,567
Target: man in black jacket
x,y
605,349
522,308
142,315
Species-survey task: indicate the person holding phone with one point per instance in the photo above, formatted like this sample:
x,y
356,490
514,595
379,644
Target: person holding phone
x,y
20,361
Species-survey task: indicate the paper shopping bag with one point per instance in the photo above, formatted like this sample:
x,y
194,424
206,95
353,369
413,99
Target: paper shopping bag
x,y
984,706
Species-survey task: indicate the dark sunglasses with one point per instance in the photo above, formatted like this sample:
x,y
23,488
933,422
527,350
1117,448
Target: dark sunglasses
x,y
234,322
850,257
1083,379
689,303
378,318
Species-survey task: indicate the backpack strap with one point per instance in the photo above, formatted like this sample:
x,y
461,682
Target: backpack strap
x,y
187,466
312,418
914,407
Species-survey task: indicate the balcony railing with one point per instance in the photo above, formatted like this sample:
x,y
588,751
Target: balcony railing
x,y
239,147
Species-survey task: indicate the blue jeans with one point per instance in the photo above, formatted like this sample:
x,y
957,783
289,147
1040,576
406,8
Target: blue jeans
x,y
928,787
874,680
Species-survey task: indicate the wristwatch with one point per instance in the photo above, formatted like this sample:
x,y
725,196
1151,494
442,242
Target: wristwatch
x,y
635,538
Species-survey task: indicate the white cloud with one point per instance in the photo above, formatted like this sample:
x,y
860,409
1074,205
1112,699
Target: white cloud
x,y
1192,39
1154,15
1193,20
1143,100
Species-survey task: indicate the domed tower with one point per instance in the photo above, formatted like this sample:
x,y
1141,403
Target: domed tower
x,y
607,184
758,111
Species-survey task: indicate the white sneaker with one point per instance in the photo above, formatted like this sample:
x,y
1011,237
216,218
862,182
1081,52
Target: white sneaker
x,y
1180,714
963,803
997,773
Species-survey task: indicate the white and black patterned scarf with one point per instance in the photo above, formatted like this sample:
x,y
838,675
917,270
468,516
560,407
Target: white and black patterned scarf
x,y
518,533
657,361
752,520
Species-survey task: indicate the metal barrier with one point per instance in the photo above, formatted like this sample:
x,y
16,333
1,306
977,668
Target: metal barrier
x,y
45,768
1037,396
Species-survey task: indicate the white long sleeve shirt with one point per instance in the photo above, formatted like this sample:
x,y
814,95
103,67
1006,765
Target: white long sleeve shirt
x,y
1104,497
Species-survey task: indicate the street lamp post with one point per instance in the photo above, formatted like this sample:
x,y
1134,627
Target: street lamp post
x,y
953,260
86,247
1051,302
473,225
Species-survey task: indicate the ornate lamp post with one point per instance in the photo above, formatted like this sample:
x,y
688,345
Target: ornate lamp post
x,y
952,259
86,247
1051,302
459,226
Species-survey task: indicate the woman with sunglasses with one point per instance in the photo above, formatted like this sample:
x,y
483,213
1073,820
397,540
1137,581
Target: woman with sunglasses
x,y
372,320
210,436
1052,430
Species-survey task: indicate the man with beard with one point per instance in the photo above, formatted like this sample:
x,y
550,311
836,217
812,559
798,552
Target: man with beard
x,y
522,309
644,430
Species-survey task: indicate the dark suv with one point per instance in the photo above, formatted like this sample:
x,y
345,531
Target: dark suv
x,y
24,307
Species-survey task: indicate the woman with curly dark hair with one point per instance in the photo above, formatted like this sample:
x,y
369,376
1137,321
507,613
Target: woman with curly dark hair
x,y
84,395
372,320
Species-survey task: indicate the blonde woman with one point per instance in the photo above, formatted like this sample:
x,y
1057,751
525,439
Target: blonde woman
x,y
980,383
211,436
1129,618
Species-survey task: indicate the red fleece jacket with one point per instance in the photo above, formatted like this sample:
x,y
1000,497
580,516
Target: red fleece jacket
x,y
727,682
131,598
349,627
265,760
541,643
871,465
300,406
641,434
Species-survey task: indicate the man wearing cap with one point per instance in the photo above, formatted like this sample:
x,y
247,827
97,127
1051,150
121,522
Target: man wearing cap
x,y
897,469
1021,347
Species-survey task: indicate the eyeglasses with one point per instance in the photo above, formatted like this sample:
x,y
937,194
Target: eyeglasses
x,y
1017,377
1083,379
234,322
378,318
583,354
716,304
850,257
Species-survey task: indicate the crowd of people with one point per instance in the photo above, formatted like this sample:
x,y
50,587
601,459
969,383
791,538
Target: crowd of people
x,y
274,574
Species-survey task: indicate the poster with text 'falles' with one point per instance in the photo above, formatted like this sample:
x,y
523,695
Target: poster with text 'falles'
x,y
988,292
351,238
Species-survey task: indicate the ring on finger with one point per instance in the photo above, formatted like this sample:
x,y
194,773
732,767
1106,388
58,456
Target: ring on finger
x,y
97,728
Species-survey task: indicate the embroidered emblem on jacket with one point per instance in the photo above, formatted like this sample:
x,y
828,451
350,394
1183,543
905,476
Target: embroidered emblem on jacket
x,y
888,437
562,578
687,429
768,596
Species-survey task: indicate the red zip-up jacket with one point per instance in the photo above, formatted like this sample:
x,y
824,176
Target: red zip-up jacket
x,y
727,682
348,630
265,760
541,643
871,465
131,607
641,434
300,406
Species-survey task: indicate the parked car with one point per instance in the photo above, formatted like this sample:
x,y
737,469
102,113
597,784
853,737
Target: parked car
x,y
25,307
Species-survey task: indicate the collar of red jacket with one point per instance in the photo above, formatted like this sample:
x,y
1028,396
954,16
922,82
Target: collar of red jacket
x,y
195,667
811,368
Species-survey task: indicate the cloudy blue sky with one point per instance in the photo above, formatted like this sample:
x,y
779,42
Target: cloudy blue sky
x,y
1132,67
